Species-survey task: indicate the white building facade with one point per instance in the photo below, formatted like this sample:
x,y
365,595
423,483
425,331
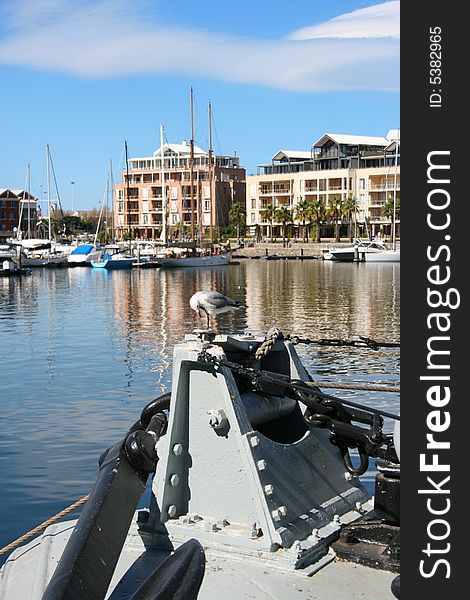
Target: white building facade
x,y
338,166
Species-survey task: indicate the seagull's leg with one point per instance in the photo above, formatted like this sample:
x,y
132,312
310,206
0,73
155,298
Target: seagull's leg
x,y
207,316
208,321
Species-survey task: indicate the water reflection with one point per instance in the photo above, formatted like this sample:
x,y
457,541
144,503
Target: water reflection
x,y
84,349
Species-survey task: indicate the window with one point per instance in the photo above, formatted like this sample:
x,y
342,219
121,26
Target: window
x,y
2,215
207,205
253,203
145,219
120,194
120,206
362,184
2,203
13,216
253,217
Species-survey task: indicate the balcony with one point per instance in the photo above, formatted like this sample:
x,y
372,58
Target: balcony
x,y
384,185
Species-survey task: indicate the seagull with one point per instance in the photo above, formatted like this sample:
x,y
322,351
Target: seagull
x,y
212,303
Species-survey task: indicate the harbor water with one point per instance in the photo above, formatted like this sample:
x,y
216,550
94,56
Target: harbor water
x,y
82,351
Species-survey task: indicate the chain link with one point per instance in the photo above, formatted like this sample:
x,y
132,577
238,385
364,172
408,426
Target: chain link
x,y
362,342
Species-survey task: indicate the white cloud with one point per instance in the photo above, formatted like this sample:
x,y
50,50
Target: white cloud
x,y
377,21
105,39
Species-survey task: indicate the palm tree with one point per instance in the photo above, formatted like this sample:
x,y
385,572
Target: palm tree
x,y
336,207
351,208
237,216
388,210
283,216
317,214
302,213
269,213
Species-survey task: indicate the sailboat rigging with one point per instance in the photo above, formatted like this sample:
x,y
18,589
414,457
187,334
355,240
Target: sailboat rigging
x,y
197,257
127,198
191,164
162,175
42,253
211,177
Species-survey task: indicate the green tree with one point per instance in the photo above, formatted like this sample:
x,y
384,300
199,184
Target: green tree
x,y
351,208
237,217
269,213
73,224
387,208
317,215
284,216
388,211
302,213
337,211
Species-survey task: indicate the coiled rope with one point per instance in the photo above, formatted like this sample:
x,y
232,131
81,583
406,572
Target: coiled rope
x,y
44,525
271,338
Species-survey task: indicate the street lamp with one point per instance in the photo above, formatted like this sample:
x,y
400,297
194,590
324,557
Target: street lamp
x,y
72,183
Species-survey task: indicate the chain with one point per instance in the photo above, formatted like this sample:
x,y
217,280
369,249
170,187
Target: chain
x,y
362,342
275,334
272,382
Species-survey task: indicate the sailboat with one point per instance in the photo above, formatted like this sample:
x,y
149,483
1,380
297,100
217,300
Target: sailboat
x,y
37,252
112,256
192,254
85,254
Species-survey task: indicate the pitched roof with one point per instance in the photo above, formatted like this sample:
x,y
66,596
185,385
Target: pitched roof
x,y
24,194
183,148
353,140
7,193
292,154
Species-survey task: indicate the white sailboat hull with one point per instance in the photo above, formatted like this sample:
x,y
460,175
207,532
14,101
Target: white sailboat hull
x,y
211,260
384,256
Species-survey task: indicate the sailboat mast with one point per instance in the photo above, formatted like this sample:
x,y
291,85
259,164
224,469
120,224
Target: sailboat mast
x,y
48,190
162,166
112,196
191,164
127,195
104,203
395,197
29,196
210,175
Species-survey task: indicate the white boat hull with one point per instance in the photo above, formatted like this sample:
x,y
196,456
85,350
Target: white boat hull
x,y
211,260
385,256
75,260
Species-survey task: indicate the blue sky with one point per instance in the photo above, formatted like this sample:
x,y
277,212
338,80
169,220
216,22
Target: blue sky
x,y
85,75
